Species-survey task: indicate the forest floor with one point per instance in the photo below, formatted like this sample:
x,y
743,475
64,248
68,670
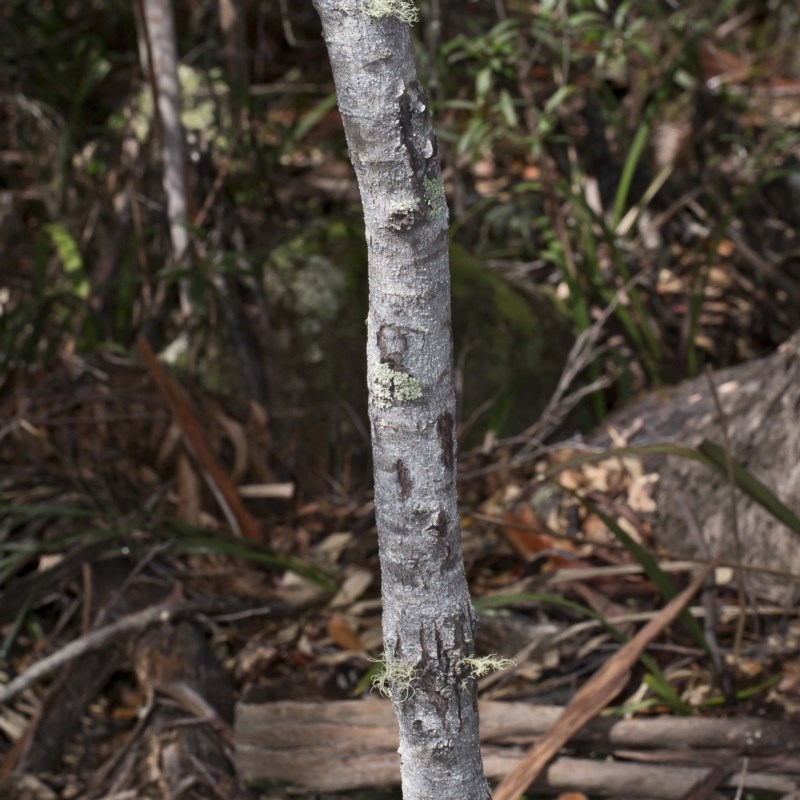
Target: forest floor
x,y
132,635
186,614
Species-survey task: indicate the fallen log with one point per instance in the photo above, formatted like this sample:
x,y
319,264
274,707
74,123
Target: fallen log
x,y
341,746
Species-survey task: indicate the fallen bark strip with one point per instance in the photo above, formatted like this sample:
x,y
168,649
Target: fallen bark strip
x,y
315,771
341,746
644,780
370,724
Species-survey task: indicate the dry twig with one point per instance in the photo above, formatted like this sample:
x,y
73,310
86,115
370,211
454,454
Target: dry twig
x,y
95,640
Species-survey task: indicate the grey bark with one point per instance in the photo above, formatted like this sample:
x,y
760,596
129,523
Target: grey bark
x,y
428,619
234,48
234,41
160,25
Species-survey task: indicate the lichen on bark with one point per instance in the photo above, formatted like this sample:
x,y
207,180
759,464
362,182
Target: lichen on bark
x,y
404,10
391,387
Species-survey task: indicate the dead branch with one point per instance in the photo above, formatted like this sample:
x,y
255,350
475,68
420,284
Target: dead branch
x,y
95,640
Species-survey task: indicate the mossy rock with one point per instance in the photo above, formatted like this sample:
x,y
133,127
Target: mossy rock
x,y
509,346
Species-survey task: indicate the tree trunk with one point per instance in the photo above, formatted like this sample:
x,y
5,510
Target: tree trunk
x,y
234,48
428,619
234,42
160,23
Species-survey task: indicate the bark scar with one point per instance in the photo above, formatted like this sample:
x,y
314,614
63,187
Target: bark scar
x,y
403,478
392,344
439,525
444,429
423,151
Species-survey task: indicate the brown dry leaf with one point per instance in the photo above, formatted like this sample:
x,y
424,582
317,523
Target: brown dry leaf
x,y
333,546
484,167
189,490
669,283
670,141
354,585
640,493
705,342
721,277
571,479
631,529
602,476
297,591
309,509
746,667
790,682
258,417
526,533
491,188
531,173
184,414
342,634
726,249
596,531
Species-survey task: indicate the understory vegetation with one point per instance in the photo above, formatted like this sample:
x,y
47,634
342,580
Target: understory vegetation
x,y
623,180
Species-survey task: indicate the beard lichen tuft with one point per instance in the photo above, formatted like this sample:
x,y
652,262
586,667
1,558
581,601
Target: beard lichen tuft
x,y
394,678
476,668
404,10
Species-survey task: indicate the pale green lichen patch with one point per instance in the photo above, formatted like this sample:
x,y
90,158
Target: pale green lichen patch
x,y
404,10
393,387
434,194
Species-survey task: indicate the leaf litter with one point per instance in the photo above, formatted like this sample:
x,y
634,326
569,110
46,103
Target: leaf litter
x,y
298,619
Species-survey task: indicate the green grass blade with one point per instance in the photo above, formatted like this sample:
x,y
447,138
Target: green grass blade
x,y
628,171
29,511
191,539
652,570
11,636
311,119
750,485
660,684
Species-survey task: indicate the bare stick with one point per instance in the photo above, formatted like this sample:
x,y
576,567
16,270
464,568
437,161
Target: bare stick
x,y
95,640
